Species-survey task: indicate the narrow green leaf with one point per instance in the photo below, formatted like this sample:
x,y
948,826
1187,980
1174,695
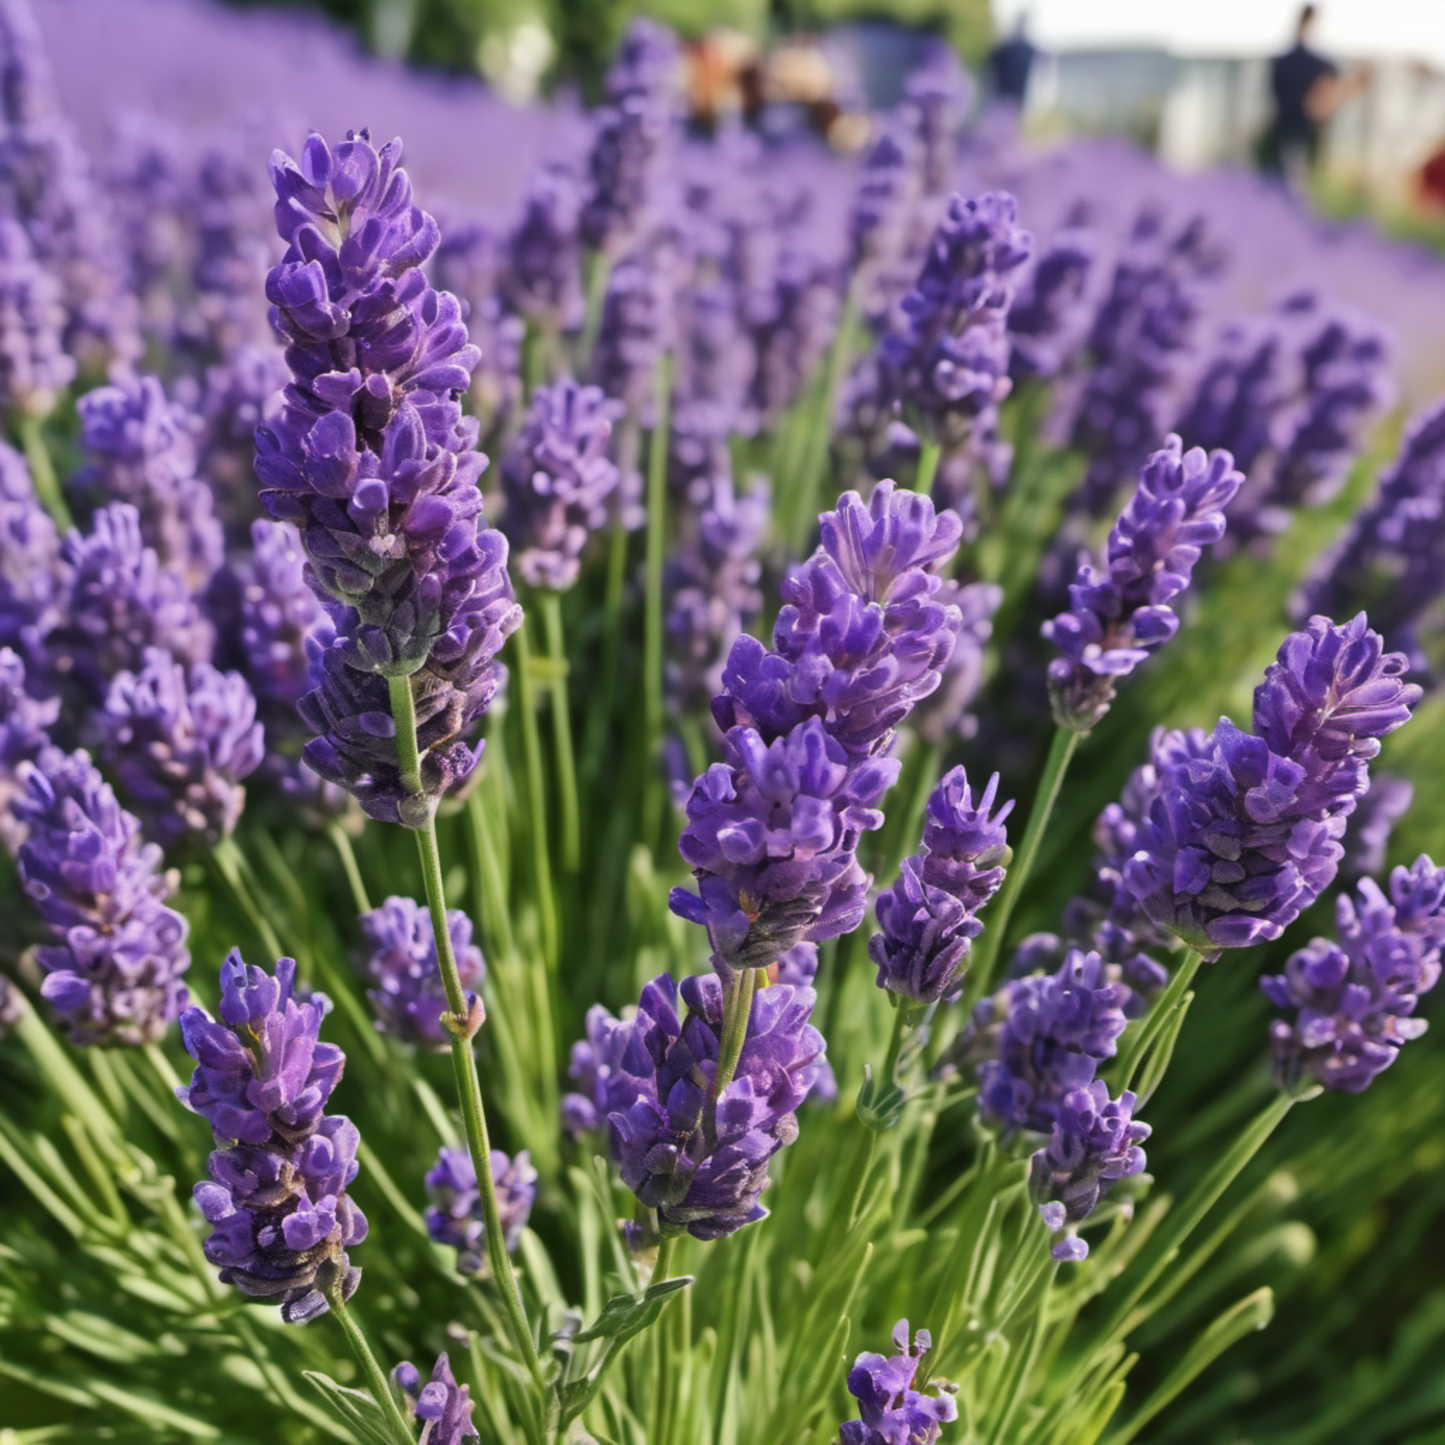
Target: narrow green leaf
x,y
359,1411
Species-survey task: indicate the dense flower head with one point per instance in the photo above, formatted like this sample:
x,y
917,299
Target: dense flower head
x,y
862,635
1047,320
1045,1036
34,369
891,1411
281,1220
24,731
638,325
1094,1143
1137,344
926,920
878,223
937,92
401,963
373,460
1121,614
142,450
772,838
444,1407
118,599
454,1216
1353,998
541,279
702,1161
596,1068
29,558
948,364
557,478
113,972
1245,833
179,741
1391,560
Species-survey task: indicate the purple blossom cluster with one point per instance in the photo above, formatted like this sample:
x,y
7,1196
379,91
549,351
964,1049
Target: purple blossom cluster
x,y
443,1407
281,1221
454,1216
114,966
1245,831
773,830
890,1410
401,964
1049,315
1121,614
927,921
374,462
694,1152
557,478
1353,998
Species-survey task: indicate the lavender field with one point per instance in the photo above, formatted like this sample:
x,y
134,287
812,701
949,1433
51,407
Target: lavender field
x,y
666,786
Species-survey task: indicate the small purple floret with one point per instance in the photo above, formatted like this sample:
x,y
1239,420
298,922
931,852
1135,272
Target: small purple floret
x,y
891,1411
454,1216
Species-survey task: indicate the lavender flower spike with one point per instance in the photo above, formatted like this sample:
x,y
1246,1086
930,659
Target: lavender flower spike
x,y
926,920
444,1407
557,478
1095,1143
281,1220
699,1160
891,1411
1121,615
373,460
1353,999
179,742
24,734
1244,833
454,1216
114,972
401,962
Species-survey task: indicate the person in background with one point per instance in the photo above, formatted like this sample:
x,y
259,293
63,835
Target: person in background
x,y
1307,88
1009,63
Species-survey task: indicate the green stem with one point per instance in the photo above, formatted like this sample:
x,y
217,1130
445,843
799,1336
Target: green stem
x,y
598,267
652,689
469,1092
461,1029
737,1010
985,959
375,1378
42,472
1132,1055
663,1268
228,862
341,840
815,454
927,468
536,797
551,607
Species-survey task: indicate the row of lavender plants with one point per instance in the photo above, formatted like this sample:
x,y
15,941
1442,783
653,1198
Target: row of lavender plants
x,y
731,849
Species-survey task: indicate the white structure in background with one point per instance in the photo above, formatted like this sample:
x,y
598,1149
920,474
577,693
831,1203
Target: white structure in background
x,y
1191,77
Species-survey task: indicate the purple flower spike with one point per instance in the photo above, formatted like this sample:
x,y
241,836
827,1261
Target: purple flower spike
x,y
863,634
281,1220
1046,322
24,733
1047,1036
34,368
373,460
29,558
557,479
179,742
114,972
702,1161
596,1069
1095,1143
891,1411
454,1216
1244,833
926,920
1353,999
772,838
1121,615
948,366
401,962
444,1407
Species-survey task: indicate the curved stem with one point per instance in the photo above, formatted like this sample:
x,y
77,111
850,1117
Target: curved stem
x,y
227,859
347,854
652,691
820,429
536,798
927,467
1132,1055
985,960
375,1378
42,473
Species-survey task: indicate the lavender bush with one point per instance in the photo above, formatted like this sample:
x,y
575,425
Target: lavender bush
x,y
887,912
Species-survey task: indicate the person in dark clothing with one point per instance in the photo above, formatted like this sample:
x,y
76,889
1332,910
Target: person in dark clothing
x,y
1009,63
1307,89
